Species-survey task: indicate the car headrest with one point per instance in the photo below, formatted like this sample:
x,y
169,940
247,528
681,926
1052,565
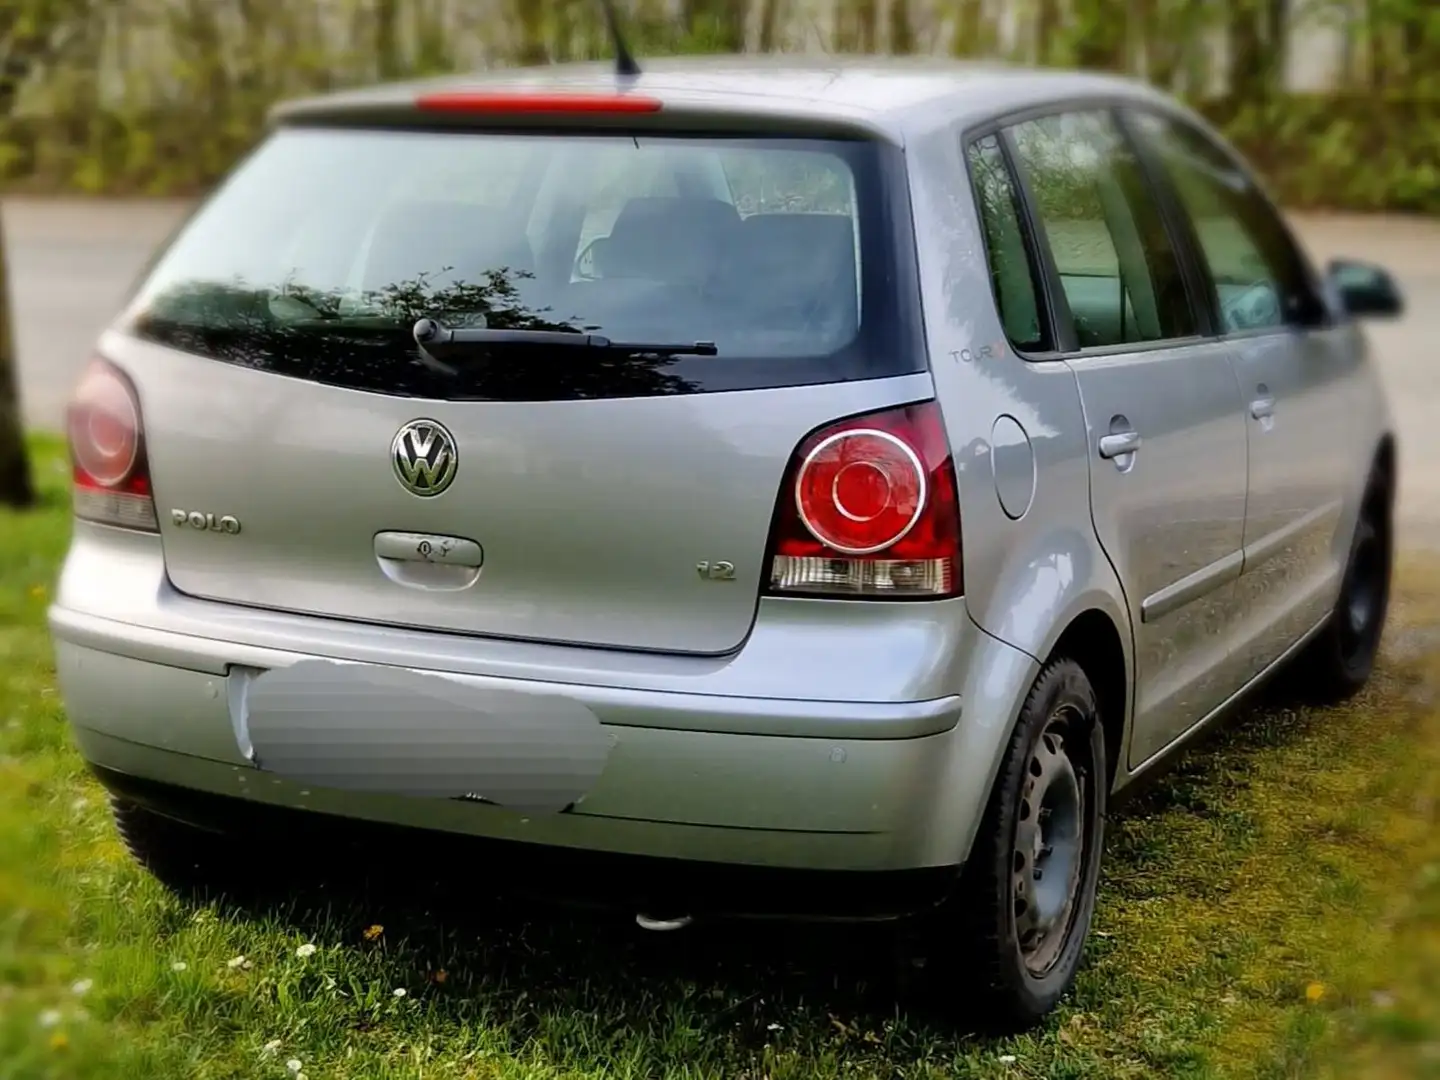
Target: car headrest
x,y
665,239
798,255
448,242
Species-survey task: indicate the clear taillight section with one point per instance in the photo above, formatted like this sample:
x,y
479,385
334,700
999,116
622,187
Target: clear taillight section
x,y
869,509
110,473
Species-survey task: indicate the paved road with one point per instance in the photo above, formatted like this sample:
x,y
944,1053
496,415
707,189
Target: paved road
x,y
71,263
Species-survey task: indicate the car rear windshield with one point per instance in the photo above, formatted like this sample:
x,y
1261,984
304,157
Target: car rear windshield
x,y
685,264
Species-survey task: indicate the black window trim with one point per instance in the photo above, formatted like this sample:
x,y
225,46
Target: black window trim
x,y
1063,337
1210,295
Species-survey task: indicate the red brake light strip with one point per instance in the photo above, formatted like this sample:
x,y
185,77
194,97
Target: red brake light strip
x,y
552,103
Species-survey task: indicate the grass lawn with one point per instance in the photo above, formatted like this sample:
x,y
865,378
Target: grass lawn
x,y
1272,909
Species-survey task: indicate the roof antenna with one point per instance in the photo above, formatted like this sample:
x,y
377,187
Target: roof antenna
x,y
625,65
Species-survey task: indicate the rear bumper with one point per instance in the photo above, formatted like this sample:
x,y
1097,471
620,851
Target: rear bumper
x,y
687,794
656,886
707,762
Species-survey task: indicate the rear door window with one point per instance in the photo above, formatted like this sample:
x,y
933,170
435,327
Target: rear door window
x,y
323,250
1012,269
1118,269
1260,278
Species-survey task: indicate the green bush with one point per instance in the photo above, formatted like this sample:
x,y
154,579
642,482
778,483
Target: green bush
x,y
1344,152
162,96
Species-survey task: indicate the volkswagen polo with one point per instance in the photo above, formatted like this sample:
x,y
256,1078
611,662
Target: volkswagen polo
x,y
843,475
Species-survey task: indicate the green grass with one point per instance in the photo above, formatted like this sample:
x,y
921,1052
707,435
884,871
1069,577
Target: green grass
x,y
1272,909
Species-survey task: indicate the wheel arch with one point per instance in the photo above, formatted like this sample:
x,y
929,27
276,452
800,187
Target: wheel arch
x,y
1387,463
1093,641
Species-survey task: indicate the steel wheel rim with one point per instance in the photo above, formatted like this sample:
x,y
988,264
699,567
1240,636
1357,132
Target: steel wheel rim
x,y
1050,845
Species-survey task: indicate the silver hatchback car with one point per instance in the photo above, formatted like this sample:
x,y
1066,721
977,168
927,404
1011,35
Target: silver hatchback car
x,y
849,476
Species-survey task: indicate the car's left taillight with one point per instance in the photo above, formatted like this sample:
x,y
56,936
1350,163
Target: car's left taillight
x,y
109,470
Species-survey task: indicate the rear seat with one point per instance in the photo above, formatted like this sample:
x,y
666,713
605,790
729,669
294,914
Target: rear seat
x,y
668,239
450,243
783,262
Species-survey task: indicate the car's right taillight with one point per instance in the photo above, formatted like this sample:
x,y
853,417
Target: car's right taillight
x,y
869,509
110,474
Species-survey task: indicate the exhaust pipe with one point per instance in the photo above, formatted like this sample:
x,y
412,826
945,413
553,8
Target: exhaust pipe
x,y
660,926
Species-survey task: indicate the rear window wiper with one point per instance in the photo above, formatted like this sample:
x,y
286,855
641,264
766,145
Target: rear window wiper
x,y
443,342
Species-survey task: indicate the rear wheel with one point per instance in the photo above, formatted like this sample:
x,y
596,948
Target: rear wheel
x,y
1339,662
1016,932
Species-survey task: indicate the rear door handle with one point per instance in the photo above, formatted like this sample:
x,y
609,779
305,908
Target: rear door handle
x,y
1263,407
1118,445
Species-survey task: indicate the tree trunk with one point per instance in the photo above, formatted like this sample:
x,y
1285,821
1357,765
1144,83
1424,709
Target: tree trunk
x,y
1247,52
867,16
1375,39
902,28
16,488
1047,29
530,15
1420,44
1277,45
387,38
722,19
969,39
1259,38
1101,27
770,25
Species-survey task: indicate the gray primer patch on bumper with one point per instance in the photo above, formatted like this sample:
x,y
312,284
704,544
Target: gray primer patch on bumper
x,y
387,730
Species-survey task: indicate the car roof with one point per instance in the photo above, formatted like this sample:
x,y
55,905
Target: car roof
x,y
884,97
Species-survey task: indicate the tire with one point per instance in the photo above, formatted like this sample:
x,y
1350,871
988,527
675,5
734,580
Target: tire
x,y
1339,662
183,858
1046,815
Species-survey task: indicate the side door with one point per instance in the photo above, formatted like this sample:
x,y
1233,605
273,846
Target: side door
x,y
1294,362
1162,406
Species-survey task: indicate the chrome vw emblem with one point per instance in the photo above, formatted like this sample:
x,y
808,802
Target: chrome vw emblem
x,y
425,457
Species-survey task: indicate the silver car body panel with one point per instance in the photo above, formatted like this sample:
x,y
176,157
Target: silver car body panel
x,y
779,732
593,515
709,757
1174,531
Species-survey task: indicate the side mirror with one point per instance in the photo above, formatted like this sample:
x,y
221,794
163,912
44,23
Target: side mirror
x,y
1366,290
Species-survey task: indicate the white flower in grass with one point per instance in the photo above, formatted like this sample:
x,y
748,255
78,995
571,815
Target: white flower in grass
x,y
400,991
294,1065
271,1047
238,963
304,952
83,987
179,965
49,1018
1007,1059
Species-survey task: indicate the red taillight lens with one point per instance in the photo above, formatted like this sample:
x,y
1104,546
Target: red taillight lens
x,y
490,102
111,477
869,508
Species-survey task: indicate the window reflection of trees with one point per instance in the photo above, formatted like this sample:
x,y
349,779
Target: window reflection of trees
x,y
366,341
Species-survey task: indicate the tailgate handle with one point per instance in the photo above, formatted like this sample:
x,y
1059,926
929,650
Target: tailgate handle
x,y
429,548
428,562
